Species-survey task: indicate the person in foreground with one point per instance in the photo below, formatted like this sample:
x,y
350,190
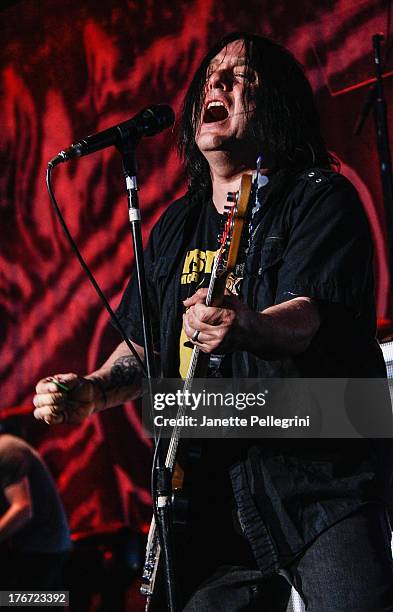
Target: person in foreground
x,y
268,513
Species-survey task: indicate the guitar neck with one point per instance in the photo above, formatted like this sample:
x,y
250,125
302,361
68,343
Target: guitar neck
x,y
230,242
198,364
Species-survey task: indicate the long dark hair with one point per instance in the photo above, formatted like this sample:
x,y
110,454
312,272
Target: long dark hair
x,y
284,127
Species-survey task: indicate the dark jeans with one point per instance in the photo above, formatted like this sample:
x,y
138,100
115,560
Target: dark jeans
x,y
348,568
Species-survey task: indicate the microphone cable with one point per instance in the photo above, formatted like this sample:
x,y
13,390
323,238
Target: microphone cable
x,y
156,436
86,269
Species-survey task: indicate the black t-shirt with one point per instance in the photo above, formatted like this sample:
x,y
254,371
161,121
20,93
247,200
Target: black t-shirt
x,y
197,266
203,245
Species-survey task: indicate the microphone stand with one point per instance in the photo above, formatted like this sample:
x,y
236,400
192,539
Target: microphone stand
x,y
381,124
161,493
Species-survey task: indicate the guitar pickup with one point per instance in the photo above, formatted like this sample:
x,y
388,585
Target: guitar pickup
x,y
145,590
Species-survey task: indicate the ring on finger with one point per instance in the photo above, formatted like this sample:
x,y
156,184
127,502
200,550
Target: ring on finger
x,y
195,335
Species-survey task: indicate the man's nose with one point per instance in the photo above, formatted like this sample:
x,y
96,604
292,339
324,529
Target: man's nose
x,y
220,79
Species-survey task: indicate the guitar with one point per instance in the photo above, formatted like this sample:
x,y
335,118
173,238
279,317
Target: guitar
x,y
224,263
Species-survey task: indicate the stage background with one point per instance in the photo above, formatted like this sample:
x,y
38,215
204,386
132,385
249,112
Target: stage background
x,y
69,69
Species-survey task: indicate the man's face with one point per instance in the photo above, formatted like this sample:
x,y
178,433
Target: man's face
x,y
225,111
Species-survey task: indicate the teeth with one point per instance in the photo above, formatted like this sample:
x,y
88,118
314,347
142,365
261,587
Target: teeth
x,y
215,103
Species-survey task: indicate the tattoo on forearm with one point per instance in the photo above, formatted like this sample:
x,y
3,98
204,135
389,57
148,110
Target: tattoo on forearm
x,y
124,371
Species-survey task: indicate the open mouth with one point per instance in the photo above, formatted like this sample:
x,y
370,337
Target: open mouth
x,y
215,111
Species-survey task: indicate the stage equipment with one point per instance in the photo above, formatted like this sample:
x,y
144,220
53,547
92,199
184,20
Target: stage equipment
x,y
148,122
125,138
376,100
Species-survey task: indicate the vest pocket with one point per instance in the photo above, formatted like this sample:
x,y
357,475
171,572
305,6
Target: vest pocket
x,y
262,258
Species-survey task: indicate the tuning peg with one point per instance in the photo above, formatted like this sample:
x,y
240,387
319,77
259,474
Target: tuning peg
x,y
231,196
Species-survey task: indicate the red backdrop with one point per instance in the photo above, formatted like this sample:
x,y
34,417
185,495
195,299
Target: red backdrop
x,y
69,69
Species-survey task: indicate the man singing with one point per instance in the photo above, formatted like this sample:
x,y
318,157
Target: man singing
x,y
268,513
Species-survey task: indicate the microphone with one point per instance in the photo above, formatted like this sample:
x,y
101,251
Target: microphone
x,y
148,122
